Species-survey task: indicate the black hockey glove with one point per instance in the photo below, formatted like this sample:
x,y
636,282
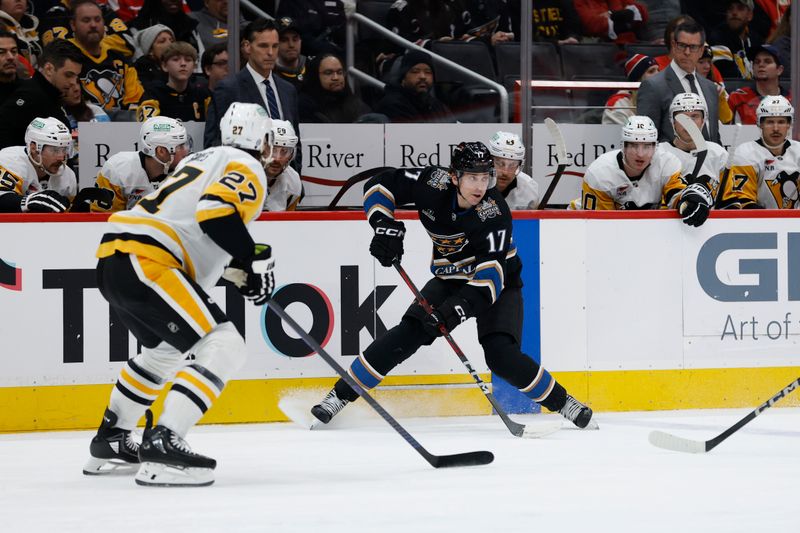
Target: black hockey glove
x,y
387,244
85,197
450,314
44,202
254,278
695,204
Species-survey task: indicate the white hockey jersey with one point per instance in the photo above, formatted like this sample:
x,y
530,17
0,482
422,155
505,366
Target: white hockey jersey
x,y
522,193
18,175
165,225
285,192
758,177
124,174
712,166
607,187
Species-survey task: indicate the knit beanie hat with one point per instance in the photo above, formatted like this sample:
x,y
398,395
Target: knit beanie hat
x,y
637,65
414,57
146,37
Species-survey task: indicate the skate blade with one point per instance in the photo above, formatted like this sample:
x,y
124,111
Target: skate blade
x,y
591,426
162,475
105,467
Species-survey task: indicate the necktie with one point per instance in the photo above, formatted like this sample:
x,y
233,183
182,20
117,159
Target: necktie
x,y
692,86
272,102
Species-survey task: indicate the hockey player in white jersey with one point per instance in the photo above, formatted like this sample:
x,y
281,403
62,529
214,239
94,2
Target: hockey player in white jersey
x,y
764,173
638,176
34,178
682,146
520,190
157,262
285,187
132,175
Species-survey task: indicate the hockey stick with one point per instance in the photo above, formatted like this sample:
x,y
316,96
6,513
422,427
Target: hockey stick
x,y
352,180
561,157
436,461
728,164
700,146
516,429
679,444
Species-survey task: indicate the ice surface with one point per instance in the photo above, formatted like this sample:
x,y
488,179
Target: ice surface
x,y
361,476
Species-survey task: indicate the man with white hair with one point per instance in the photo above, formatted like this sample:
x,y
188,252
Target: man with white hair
x,y
520,190
285,187
132,175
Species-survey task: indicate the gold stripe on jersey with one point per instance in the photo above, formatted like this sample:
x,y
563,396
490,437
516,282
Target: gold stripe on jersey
x,y
118,204
378,196
161,229
239,188
10,181
175,291
135,247
596,200
480,279
672,190
138,385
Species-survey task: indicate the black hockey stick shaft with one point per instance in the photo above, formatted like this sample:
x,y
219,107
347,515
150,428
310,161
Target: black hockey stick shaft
x,y
515,428
361,176
713,443
552,187
436,461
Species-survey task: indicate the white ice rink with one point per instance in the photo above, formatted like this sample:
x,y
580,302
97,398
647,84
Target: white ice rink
x,y
362,476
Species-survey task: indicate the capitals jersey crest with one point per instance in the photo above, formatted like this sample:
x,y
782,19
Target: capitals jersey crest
x,y
487,209
439,179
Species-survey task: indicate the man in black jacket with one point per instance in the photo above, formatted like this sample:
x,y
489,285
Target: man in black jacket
x,y
40,96
8,64
413,100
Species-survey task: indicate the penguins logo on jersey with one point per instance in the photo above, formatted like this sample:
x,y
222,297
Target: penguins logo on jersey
x,y
104,86
449,244
786,186
439,179
487,209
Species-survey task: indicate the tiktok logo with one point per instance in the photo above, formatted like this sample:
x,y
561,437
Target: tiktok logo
x,y
10,276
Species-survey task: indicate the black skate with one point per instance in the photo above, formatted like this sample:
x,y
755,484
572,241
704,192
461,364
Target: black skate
x,y
112,450
578,414
168,461
328,407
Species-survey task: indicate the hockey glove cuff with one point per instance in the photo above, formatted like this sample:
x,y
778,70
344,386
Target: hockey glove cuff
x,y
254,277
44,202
387,244
695,204
449,315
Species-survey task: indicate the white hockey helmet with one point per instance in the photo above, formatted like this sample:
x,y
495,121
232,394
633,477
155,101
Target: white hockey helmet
x,y
774,106
684,103
162,131
639,129
246,126
507,145
48,132
283,134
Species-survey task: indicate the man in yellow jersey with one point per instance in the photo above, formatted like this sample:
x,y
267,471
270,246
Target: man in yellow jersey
x,y
157,263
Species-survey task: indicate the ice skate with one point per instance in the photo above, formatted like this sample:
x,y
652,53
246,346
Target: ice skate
x,y
112,450
328,407
578,414
168,461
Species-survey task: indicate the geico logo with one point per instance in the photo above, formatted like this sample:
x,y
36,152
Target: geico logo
x,y
746,250
390,232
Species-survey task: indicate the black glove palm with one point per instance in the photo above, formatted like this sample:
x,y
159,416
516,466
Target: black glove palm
x,y
46,201
254,278
387,244
450,314
83,200
695,204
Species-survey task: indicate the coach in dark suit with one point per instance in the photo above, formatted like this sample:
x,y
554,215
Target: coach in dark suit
x,y
255,84
680,76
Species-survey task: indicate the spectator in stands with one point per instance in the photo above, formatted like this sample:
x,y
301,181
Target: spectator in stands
x,y
285,187
170,14
781,39
659,14
321,23
705,68
176,98
152,42
59,69
291,64
213,22
613,20
57,24
767,68
108,78
255,83
736,33
326,95
8,64
412,100
15,19
553,21
215,64
656,93
622,105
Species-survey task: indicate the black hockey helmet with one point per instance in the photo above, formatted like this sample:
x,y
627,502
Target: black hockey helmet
x,y
471,157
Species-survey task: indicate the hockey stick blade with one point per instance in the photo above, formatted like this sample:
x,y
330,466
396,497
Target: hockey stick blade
x,y
516,429
700,146
561,157
679,444
436,461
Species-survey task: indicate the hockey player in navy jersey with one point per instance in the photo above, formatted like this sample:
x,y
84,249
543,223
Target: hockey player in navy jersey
x,y
476,274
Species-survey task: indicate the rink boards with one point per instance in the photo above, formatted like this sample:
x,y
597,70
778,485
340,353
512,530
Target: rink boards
x,y
629,311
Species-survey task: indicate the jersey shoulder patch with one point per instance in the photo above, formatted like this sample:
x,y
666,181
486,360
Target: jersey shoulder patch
x,y
438,178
